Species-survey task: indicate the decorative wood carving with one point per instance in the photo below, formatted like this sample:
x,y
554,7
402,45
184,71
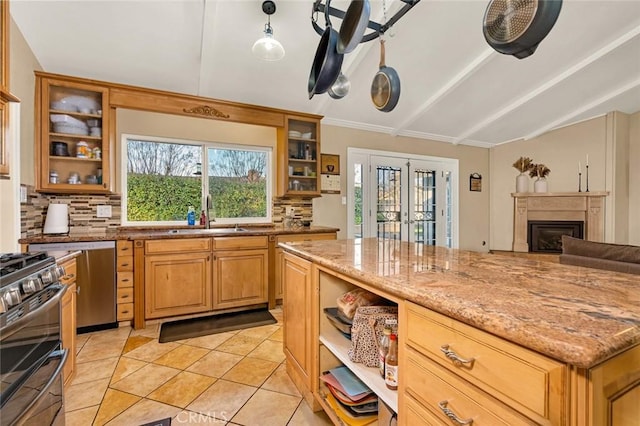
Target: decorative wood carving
x,y
207,111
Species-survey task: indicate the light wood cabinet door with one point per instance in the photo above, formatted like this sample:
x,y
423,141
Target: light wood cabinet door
x,y
297,317
177,284
68,320
299,157
240,278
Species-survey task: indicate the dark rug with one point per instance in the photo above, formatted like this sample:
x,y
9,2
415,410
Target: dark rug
x,y
196,327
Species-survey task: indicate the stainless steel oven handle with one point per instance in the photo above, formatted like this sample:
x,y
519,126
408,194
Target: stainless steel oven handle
x,y
34,404
17,325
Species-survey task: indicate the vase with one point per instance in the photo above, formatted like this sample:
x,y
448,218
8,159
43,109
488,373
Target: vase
x,y
540,185
522,183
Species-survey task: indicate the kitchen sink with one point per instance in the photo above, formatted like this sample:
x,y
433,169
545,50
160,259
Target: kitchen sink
x,y
207,231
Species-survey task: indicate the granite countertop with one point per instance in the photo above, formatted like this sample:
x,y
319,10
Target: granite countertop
x,y
577,315
146,233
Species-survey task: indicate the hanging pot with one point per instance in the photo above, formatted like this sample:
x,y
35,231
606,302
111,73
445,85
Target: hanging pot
x,y
327,61
385,89
353,25
517,27
340,88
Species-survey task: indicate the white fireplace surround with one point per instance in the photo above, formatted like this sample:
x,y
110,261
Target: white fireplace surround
x,y
587,207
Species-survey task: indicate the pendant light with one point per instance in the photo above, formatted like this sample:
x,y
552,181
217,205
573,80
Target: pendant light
x,y
268,48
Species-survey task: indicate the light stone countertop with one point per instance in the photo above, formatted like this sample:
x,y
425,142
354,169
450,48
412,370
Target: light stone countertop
x,y
577,315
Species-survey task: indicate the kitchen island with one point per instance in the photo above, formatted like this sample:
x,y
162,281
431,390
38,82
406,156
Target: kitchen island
x,y
545,343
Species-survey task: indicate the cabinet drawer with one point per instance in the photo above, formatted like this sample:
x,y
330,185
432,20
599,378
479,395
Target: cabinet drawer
x,y
177,245
305,237
439,389
125,279
124,248
417,415
232,243
70,272
527,381
125,295
125,311
124,263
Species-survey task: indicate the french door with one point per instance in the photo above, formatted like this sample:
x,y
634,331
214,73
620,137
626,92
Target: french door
x,y
404,198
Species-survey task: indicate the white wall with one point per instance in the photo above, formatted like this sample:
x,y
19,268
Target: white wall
x,y
634,179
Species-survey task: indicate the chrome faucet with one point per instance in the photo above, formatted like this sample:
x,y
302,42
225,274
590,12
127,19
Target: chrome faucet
x,y
207,223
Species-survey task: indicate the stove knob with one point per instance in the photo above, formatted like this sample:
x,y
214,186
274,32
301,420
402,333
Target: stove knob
x,y
12,297
4,306
60,272
47,277
31,285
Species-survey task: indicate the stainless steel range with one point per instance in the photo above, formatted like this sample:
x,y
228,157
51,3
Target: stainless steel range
x,y
31,357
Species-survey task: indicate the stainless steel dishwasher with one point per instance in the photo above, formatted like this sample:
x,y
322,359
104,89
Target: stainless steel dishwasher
x,y
96,282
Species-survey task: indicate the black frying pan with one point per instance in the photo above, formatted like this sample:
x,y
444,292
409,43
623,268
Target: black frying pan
x,y
385,89
517,27
327,61
353,25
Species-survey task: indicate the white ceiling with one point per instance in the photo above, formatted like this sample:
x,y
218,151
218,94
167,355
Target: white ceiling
x,y
455,88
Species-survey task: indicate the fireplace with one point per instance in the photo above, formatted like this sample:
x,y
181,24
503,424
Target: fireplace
x,y
545,236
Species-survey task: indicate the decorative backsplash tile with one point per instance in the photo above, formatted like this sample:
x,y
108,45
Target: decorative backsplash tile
x,y
303,209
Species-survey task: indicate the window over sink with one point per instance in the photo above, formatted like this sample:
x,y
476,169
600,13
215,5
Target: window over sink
x,y
162,177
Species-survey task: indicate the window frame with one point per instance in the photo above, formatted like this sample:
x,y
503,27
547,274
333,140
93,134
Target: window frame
x,y
204,146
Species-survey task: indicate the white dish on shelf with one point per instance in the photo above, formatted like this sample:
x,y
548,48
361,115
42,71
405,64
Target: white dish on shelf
x,y
64,105
70,129
82,103
294,134
306,135
67,119
95,131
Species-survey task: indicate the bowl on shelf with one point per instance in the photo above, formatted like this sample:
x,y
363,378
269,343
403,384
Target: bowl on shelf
x,y
294,134
306,135
95,131
60,149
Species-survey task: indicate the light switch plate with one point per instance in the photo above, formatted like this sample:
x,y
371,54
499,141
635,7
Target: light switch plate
x,y
104,211
344,201
289,211
23,194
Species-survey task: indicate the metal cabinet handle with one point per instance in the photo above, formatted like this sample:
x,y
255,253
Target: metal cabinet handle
x,y
452,416
457,360
124,264
69,277
125,280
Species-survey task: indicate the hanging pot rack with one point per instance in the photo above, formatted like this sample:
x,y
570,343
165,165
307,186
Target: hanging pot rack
x,y
378,29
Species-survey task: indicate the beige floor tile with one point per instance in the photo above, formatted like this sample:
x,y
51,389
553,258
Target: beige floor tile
x,y
145,411
277,314
215,364
222,400
210,341
145,380
279,381
239,345
100,350
267,408
151,351
85,395
151,330
114,403
94,370
181,357
182,389
269,350
135,342
193,418
305,417
116,334
125,367
278,336
82,417
251,371
81,339
261,332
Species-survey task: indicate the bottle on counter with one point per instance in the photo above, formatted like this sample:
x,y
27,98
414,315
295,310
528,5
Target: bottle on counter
x,y
191,216
391,364
384,347
203,218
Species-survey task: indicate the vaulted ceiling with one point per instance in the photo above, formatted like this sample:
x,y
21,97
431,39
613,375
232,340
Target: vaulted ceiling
x,y
454,87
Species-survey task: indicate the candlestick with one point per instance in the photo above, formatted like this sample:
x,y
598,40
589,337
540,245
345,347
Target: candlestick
x,y
587,160
579,182
579,168
587,190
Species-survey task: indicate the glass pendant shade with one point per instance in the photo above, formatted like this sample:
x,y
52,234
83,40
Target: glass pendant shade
x,y
268,48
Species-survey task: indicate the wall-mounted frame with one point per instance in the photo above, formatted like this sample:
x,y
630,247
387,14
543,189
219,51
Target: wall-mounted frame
x,y
475,182
329,174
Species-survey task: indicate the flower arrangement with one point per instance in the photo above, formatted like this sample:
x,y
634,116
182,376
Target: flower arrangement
x,y
523,164
539,170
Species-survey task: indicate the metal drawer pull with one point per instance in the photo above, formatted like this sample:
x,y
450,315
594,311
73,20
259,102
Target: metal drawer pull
x,y
452,416
124,264
69,277
455,358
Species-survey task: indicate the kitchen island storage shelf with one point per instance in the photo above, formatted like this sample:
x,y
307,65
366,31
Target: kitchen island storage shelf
x,y
70,111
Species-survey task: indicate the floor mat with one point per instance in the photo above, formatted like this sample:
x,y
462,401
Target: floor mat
x,y
196,327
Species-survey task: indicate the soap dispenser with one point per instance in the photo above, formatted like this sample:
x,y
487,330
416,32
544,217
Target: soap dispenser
x,y
191,216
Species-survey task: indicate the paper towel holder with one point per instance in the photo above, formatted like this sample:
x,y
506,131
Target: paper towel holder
x,y
57,221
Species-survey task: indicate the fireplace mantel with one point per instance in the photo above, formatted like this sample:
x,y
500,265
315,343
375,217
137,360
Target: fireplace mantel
x,y
574,206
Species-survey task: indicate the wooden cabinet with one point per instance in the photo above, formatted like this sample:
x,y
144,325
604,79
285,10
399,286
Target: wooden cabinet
x,y
72,136
5,95
279,255
68,319
124,279
177,277
299,157
240,272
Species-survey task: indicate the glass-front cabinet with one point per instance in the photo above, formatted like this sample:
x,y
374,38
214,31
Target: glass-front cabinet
x,y
73,131
299,157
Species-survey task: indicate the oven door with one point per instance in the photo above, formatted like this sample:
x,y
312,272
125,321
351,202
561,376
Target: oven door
x,y
31,360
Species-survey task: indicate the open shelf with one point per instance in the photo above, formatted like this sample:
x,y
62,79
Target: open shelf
x,y
370,376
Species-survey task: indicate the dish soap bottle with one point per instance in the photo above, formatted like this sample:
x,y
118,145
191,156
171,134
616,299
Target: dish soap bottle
x,y
191,216
203,218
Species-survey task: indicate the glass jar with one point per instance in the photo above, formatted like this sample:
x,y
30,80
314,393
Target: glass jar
x,y
82,149
53,176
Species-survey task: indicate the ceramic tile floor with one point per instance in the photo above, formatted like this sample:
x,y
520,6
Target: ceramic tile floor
x,y
125,377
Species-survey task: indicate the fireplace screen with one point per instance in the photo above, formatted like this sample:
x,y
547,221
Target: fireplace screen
x,y
546,236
